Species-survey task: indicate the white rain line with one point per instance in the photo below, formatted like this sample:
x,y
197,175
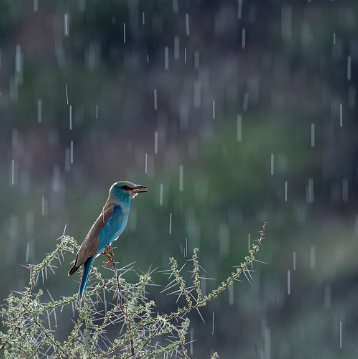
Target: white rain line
x,y
71,153
239,128
155,99
12,172
243,38
66,24
161,189
313,137
39,111
166,58
156,142
70,112
187,25
170,223
181,178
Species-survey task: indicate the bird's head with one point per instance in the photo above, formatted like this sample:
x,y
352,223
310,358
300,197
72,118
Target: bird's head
x,y
126,190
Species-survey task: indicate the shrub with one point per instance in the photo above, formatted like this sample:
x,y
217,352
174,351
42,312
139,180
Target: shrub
x,y
30,321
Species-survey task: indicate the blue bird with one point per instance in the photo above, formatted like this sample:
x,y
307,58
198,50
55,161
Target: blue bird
x,y
107,228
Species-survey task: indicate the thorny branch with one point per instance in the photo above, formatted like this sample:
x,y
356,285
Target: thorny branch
x,y
148,333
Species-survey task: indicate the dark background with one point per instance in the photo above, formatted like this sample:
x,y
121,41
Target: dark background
x,y
255,106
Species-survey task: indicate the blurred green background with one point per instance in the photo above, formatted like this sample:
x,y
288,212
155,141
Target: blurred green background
x,y
233,112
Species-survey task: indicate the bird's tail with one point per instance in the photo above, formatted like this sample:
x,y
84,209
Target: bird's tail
x,y
85,275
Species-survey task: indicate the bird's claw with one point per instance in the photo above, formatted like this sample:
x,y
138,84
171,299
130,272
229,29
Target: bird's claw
x,y
108,253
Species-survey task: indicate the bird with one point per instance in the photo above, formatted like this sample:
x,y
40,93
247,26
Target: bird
x,y
107,228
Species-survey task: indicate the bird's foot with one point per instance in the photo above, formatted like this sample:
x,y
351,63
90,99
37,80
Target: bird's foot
x,y
108,253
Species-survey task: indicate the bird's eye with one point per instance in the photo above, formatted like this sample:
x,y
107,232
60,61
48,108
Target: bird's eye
x,y
125,187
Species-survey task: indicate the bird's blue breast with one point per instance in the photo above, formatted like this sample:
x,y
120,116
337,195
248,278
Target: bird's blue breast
x,y
114,227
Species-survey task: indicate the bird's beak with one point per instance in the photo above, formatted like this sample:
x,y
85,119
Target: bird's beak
x,y
139,189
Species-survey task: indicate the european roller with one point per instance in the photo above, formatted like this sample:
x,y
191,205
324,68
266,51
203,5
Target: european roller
x,y
107,228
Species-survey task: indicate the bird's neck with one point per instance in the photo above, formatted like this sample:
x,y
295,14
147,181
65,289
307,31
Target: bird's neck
x,y
122,200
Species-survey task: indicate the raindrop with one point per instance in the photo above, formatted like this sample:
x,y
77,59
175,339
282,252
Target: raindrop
x,y
340,335
213,329
66,24
170,223
349,68
27,252
12,172
166,58
124,32
214,112
156,142
294,260
181,178
272,167
18,60
239,8
71,153
175,6
312,257
231,295
43,206
286,189
143,18
146,164
191,341
246,101
239,128
289,282
66,90
67,159
70,112
310,191
155,98
184,55
39,111
341,115
176,48
82,5
161,189
334,38
243,38
97,110
187,27
35,6
312,134
267,343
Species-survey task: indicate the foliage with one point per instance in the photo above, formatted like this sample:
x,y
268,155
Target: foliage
x,y
30,322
